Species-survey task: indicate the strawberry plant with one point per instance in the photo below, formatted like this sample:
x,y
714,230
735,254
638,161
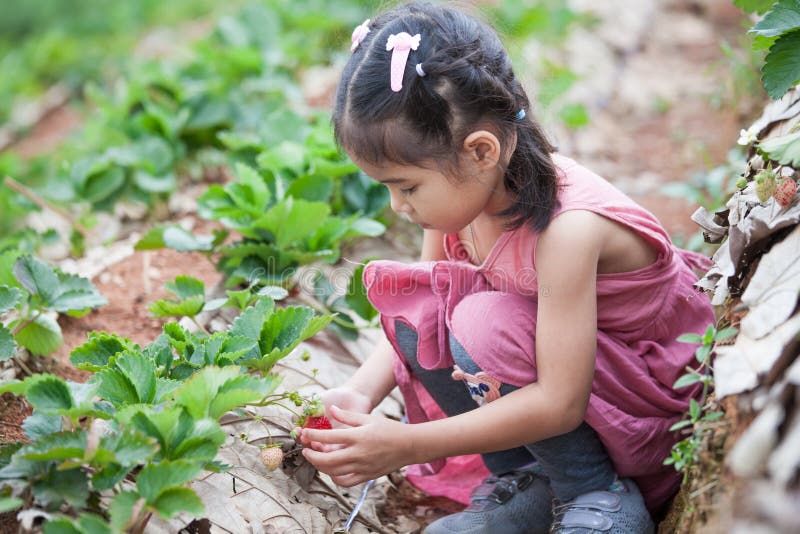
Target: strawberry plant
x,y
31,293
684,453
106,455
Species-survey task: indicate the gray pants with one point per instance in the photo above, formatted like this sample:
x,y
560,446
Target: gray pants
x,y
575,462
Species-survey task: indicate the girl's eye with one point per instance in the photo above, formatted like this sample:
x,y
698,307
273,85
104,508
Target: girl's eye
x,y
406,192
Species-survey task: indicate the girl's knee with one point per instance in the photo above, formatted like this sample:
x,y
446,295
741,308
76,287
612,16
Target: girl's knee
x,y
497,332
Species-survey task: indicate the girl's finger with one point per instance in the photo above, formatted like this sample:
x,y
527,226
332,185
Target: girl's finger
x,y
336,436
349,418
351,479
328,461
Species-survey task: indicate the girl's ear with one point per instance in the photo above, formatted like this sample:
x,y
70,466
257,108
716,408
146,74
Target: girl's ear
x,y
483,148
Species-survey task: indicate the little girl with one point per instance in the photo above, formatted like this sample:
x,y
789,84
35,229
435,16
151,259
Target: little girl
x,y
540,328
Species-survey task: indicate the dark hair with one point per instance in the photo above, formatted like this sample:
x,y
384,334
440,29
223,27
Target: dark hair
x,y
468,80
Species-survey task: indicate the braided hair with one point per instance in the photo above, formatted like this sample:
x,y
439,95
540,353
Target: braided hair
x,y
468,81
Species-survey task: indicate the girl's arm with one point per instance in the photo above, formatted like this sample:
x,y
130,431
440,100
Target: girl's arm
x,y
567,254
375,379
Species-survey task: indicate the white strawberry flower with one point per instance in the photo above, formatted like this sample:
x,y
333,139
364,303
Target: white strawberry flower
x,y
747,137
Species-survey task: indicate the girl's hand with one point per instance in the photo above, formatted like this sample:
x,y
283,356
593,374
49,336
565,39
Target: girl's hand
x,y
344,397
371,447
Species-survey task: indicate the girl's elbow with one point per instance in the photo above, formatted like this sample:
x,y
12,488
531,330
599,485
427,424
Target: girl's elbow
x,y
573,414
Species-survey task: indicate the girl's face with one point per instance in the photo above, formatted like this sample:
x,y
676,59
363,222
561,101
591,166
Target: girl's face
x,y
429,198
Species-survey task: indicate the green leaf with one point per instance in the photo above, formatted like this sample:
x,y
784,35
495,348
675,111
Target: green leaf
x,y
175,238
784,149
48,393
356,296
9,504
287,155
726,333
154,184
694,409
713,416
686,380
191,298
198,392
702,353
291,220
783,17
250,322
8,346
58,446
679,425
75,293
37,277
173,501
154,479
273,292
753,6
140,371
95,353
57,487
121,510
690,338
781,69
9,297
311,187
39,425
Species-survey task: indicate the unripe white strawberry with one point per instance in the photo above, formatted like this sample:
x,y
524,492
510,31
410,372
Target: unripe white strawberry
x,y
271,457
765,185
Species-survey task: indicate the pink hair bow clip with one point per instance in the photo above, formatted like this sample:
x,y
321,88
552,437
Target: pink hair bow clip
x,y
359,33
400,44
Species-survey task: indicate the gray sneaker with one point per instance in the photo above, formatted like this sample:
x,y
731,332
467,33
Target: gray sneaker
x,y
620,510
517,503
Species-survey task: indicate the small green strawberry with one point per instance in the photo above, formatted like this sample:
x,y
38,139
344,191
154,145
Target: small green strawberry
x,y
741,183
272,457
765,185
785,191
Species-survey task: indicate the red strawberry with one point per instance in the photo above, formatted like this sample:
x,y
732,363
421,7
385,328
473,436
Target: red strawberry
x,y
314,417
319,423
272,457
785,192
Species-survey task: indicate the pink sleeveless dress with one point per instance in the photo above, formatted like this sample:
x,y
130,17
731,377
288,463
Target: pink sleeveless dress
x,y
639,316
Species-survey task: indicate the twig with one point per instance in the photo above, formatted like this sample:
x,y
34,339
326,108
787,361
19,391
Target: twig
x,y
22,366
302,373
42,203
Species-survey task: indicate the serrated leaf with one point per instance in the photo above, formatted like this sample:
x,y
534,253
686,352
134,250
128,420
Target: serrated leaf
x,y
8,347
784,149
286,155
164,387
250,322
75,293
175,238
37,277
121,510
9,297
189,307
184,287
41,336
57,487
48,393
781,69
58,446
154,479
753,6
291,220
173,501
39,425
311,187
95,353
783,17
283,328
273,292
199,391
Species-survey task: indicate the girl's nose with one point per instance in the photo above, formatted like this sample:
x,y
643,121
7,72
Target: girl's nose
x,y
398,203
